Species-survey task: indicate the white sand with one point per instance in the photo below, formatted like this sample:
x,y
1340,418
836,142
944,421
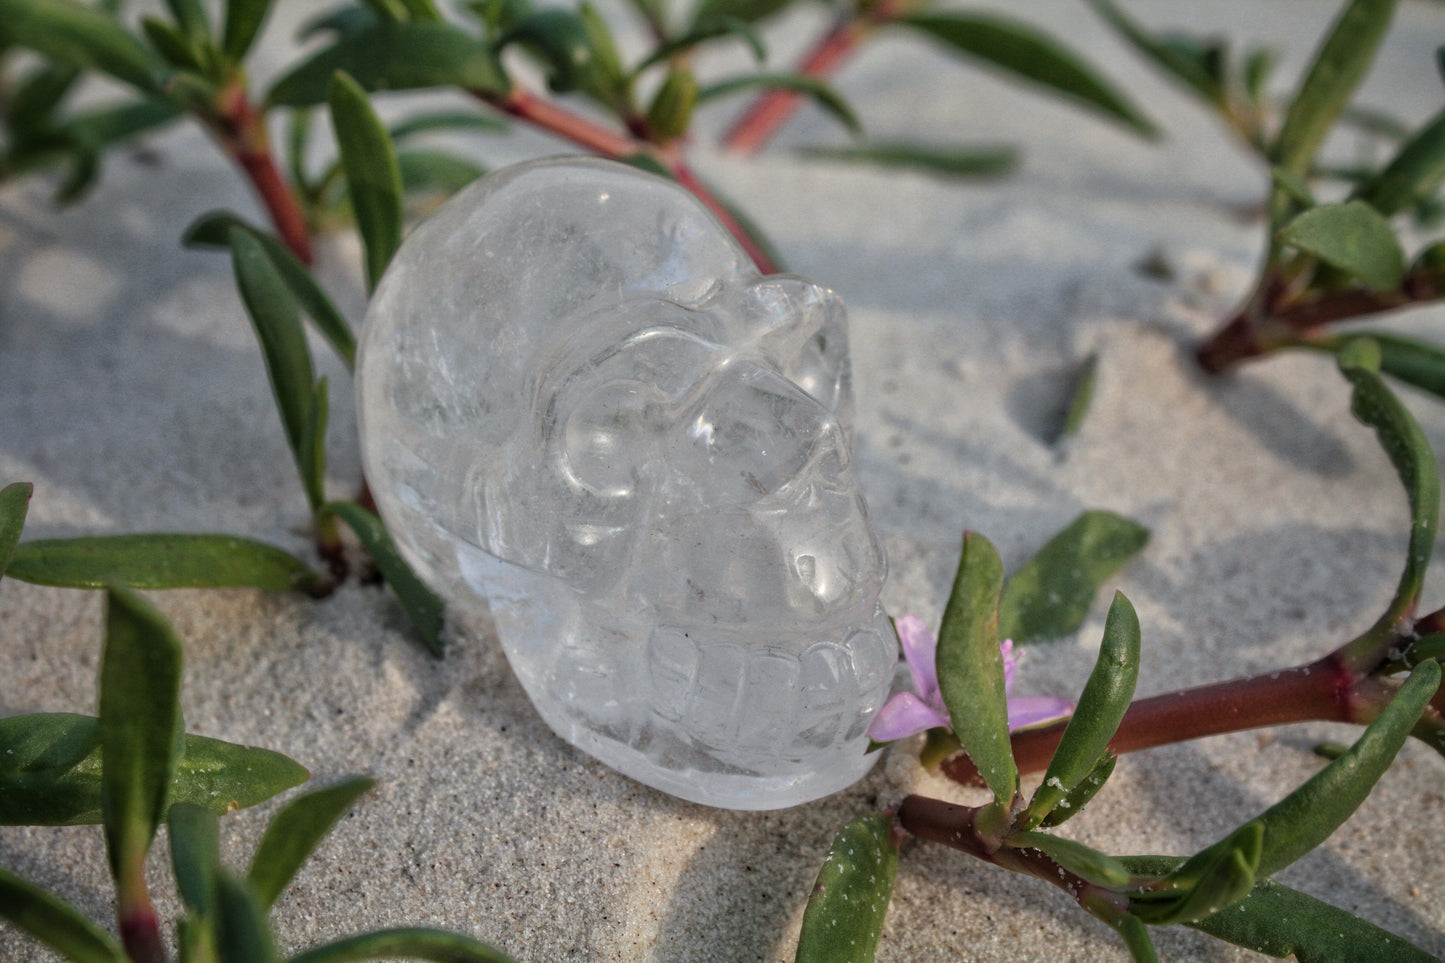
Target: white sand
x,y
132,395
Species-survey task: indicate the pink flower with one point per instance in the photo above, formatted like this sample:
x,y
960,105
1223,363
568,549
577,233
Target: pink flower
x,y
909,713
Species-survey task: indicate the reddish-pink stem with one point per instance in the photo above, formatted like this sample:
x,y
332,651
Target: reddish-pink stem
x,y
242,130
140,934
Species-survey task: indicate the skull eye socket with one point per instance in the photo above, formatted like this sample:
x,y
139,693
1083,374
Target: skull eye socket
x,y
609,434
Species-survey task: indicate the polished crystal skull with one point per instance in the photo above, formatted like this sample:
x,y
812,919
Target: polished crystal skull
x,y
580,402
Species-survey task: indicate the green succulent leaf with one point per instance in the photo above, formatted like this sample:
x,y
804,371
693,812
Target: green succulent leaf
x,y
1337,69
1412,176
294,834
190,15
1077,798
1136,938
50,772
822,93
431,171
415,943
423,607
195,836
243,22
844,918
1186,62
1206,883
79,36
160,561
1282,922
561,41
55,922
961,162
1024,52
1102,705
1081,399
444,120
748,11
671,111
14,502
1417,363
34,97
1400,436
176,48
1294,185
214,230
1081,860
139,731
242,933
710,29
1352,237
1050,595
373,179
395,56
970,667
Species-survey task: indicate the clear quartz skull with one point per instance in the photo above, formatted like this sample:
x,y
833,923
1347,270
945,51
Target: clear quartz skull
x,y
580,403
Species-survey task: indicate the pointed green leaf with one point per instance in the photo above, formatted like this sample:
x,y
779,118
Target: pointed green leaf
x,y
175,47
160,561
1352,237
373,179
423,606
214,229
139,730
970,667
1081,860
243,22
1105,698
1412,176
1023,51
1207,882
444,120
1136,937
1417,363
748,11
79,36
822,93
294,834
191,16
243,934
844,918
1185,63
704,30
35,96
55,922
395,56
1081,398
1294,185
430,171
313,447
195,836
562,44
1050,595
1400,436
413,943
14,502
50,772
962,162
1077,798
1309,815
1336,71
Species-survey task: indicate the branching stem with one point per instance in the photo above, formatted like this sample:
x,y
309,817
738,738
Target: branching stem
x,y
241,129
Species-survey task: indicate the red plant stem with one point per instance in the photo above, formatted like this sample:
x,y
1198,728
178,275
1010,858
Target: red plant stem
x,y
755,250
140,934
242,131
1323,690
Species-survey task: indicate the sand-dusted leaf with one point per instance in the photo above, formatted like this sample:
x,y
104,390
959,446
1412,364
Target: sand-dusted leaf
x,y
50,772
423,606
412,943
1050,595
1282,922
1081,860
1309,815
1077,798
1409,451
1337,69
1352,237
960,161
214,230
55,922
243,22
1102,704
432,171
1207,882
1412,175
395,56
14,502
139,731
1186,62
195,837
160,561
1025,52
79,36
294,833
845,910
241,927
373,180
822,93
970,667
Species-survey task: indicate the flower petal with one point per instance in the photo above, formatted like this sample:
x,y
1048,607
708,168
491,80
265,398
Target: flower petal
x,y
1028,711
901,716
920,649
